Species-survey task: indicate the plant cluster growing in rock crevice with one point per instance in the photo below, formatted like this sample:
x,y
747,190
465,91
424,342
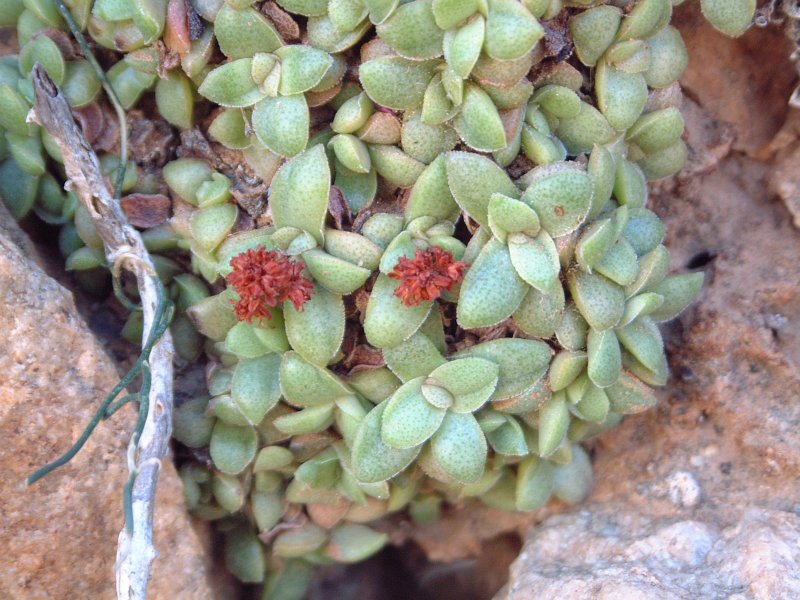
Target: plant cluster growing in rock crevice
x,y
454,280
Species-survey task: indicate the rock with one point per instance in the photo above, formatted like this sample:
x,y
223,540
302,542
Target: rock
x,y
60,535
462,531
727,76
608,555
784,152
684,490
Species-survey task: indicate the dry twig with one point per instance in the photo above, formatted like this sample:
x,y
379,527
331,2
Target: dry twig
x,y
124,249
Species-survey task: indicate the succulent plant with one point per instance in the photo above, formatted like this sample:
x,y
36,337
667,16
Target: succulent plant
x,y
453,280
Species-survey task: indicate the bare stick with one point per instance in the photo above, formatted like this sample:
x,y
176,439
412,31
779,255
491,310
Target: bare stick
x,y
124,248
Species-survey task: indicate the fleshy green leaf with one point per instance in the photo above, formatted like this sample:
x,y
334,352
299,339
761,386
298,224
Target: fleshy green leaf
x,y
602,168
416,357
437,396
579,134
665,162
396,166
380,10
347,15
337,275
300,190
647,17
605,358
389,321
630,187
539,314
653,267
600,300
352,543
509,439
351,152
629,395
43,50
423,141
565,368
231,85
376,385
13,110
256,386
534,483
308,420
211,225
412,31
232,447
535,259
409,419
668,58
459,447
639,306
573,481
593,406
491,290
511,30
471,381
479,123
678,292
281,124
353,114
553,423
620,264
298,541
373,459
317,329
558,101
431,195
561,197
307,385
191,425
302,67
359,189
244,555
307,8
462,47
643,340
323,33
473,179
522,363
243,32
593,31
620,96
507,215
449,13
396,82
657,130
644,230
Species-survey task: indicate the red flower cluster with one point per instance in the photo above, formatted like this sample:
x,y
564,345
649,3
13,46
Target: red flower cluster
x,y
262,278
426,275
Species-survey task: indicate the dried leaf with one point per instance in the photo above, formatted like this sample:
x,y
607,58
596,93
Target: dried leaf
x,y
146,210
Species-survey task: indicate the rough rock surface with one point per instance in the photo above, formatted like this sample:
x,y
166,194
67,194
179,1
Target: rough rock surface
x,y
698,498
608,555
59,537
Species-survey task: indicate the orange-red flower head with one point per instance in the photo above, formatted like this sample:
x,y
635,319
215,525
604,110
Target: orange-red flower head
x,y
426,275
262,278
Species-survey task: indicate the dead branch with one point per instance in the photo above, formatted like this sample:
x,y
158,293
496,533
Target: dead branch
x,y
124,249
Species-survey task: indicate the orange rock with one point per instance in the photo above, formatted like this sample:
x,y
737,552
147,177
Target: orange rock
x,y
59,536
